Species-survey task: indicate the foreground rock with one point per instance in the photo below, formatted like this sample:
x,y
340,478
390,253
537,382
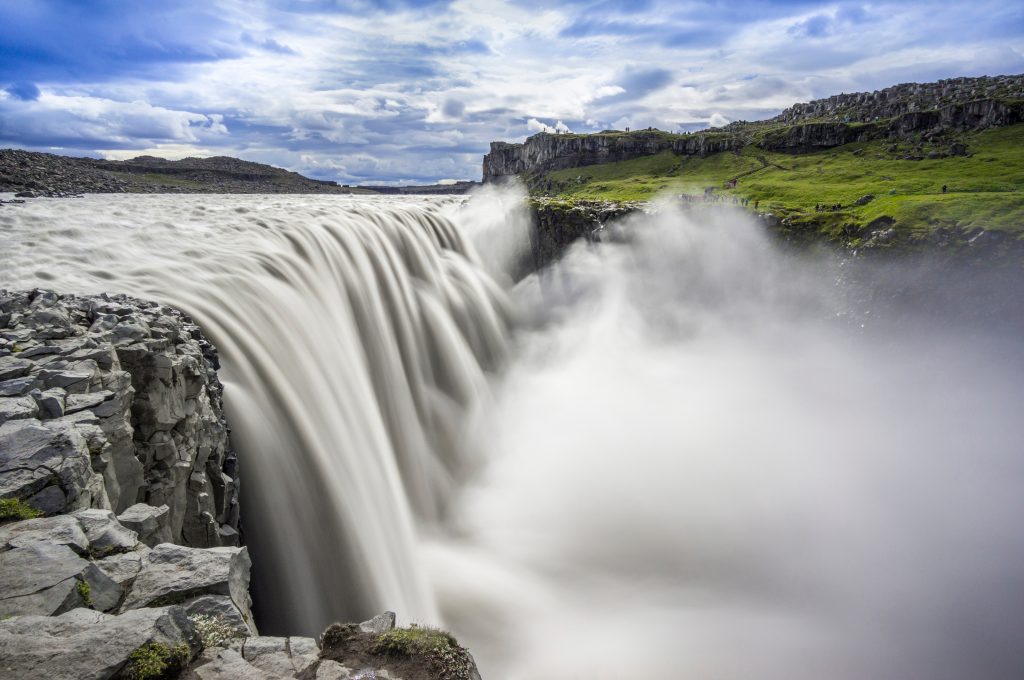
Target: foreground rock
x,y
373,649
87,645
108,402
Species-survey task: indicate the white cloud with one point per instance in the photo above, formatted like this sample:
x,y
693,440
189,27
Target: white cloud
x,y
717,120
534,125
58,117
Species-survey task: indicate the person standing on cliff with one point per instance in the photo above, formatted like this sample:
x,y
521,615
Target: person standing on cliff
x,y
943,188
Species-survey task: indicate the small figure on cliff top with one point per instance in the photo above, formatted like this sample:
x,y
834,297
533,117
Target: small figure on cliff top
x,y
943,188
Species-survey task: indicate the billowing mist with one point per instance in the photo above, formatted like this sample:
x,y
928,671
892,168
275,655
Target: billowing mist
x,y
715,459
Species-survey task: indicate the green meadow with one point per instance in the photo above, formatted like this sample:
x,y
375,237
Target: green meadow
x,y
985,189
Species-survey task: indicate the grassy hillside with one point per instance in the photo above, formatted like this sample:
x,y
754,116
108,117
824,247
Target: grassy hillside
x,y
985,188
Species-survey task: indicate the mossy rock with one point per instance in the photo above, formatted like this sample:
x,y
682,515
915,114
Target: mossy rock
x,y
156,661
15,510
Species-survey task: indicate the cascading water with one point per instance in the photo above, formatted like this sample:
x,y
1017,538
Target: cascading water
x,y
354,337
704,458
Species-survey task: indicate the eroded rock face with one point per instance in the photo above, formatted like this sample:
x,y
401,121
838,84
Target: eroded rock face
x,y
544,152
107,402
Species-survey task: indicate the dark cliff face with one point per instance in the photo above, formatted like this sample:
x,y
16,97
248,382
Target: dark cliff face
x,y
907,98
544,152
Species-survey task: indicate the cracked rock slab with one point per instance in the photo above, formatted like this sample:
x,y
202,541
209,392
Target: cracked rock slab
x,y
86,645
175,573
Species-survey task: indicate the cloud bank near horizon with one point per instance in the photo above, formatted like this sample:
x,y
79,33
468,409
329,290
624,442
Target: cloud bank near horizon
x,y
402,91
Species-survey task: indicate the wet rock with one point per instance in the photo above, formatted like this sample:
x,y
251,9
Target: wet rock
x,y
864,200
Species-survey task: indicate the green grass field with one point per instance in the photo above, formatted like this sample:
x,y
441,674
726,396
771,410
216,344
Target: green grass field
x,y
985,189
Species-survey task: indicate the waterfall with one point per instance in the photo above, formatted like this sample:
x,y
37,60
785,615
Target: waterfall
x,y
355,338
705,456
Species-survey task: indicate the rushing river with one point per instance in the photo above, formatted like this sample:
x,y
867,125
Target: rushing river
x,y
686,455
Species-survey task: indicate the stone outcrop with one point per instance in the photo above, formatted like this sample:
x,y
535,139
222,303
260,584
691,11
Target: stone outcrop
x,y
110,402
809,136
544,152
907,98
559,223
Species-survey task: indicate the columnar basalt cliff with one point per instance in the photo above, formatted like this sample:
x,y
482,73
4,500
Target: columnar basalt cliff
x,y
109,401
899,112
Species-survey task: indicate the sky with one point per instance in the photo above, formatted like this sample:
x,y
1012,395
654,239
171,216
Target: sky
x,y
413,91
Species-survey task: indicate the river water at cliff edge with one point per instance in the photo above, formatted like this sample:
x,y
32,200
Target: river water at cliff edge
x,y
689,455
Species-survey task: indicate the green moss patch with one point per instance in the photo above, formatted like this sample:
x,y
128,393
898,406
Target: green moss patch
x,y
155,661
14,510
437,648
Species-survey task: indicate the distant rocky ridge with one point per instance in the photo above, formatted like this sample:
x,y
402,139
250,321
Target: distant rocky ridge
x,y
935,111
35,174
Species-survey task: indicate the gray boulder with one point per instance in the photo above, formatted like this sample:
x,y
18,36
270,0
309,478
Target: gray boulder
x,y
175,573
17,408
217,663
379,624
222,608
45,579
87,645
49,466
149,522
283,657
58,530
105,533
123,568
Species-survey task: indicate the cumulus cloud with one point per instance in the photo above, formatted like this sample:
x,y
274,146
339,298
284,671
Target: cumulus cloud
x,y
91,121
717,120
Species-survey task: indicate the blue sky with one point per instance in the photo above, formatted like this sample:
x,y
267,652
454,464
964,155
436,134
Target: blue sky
x,y
402,91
